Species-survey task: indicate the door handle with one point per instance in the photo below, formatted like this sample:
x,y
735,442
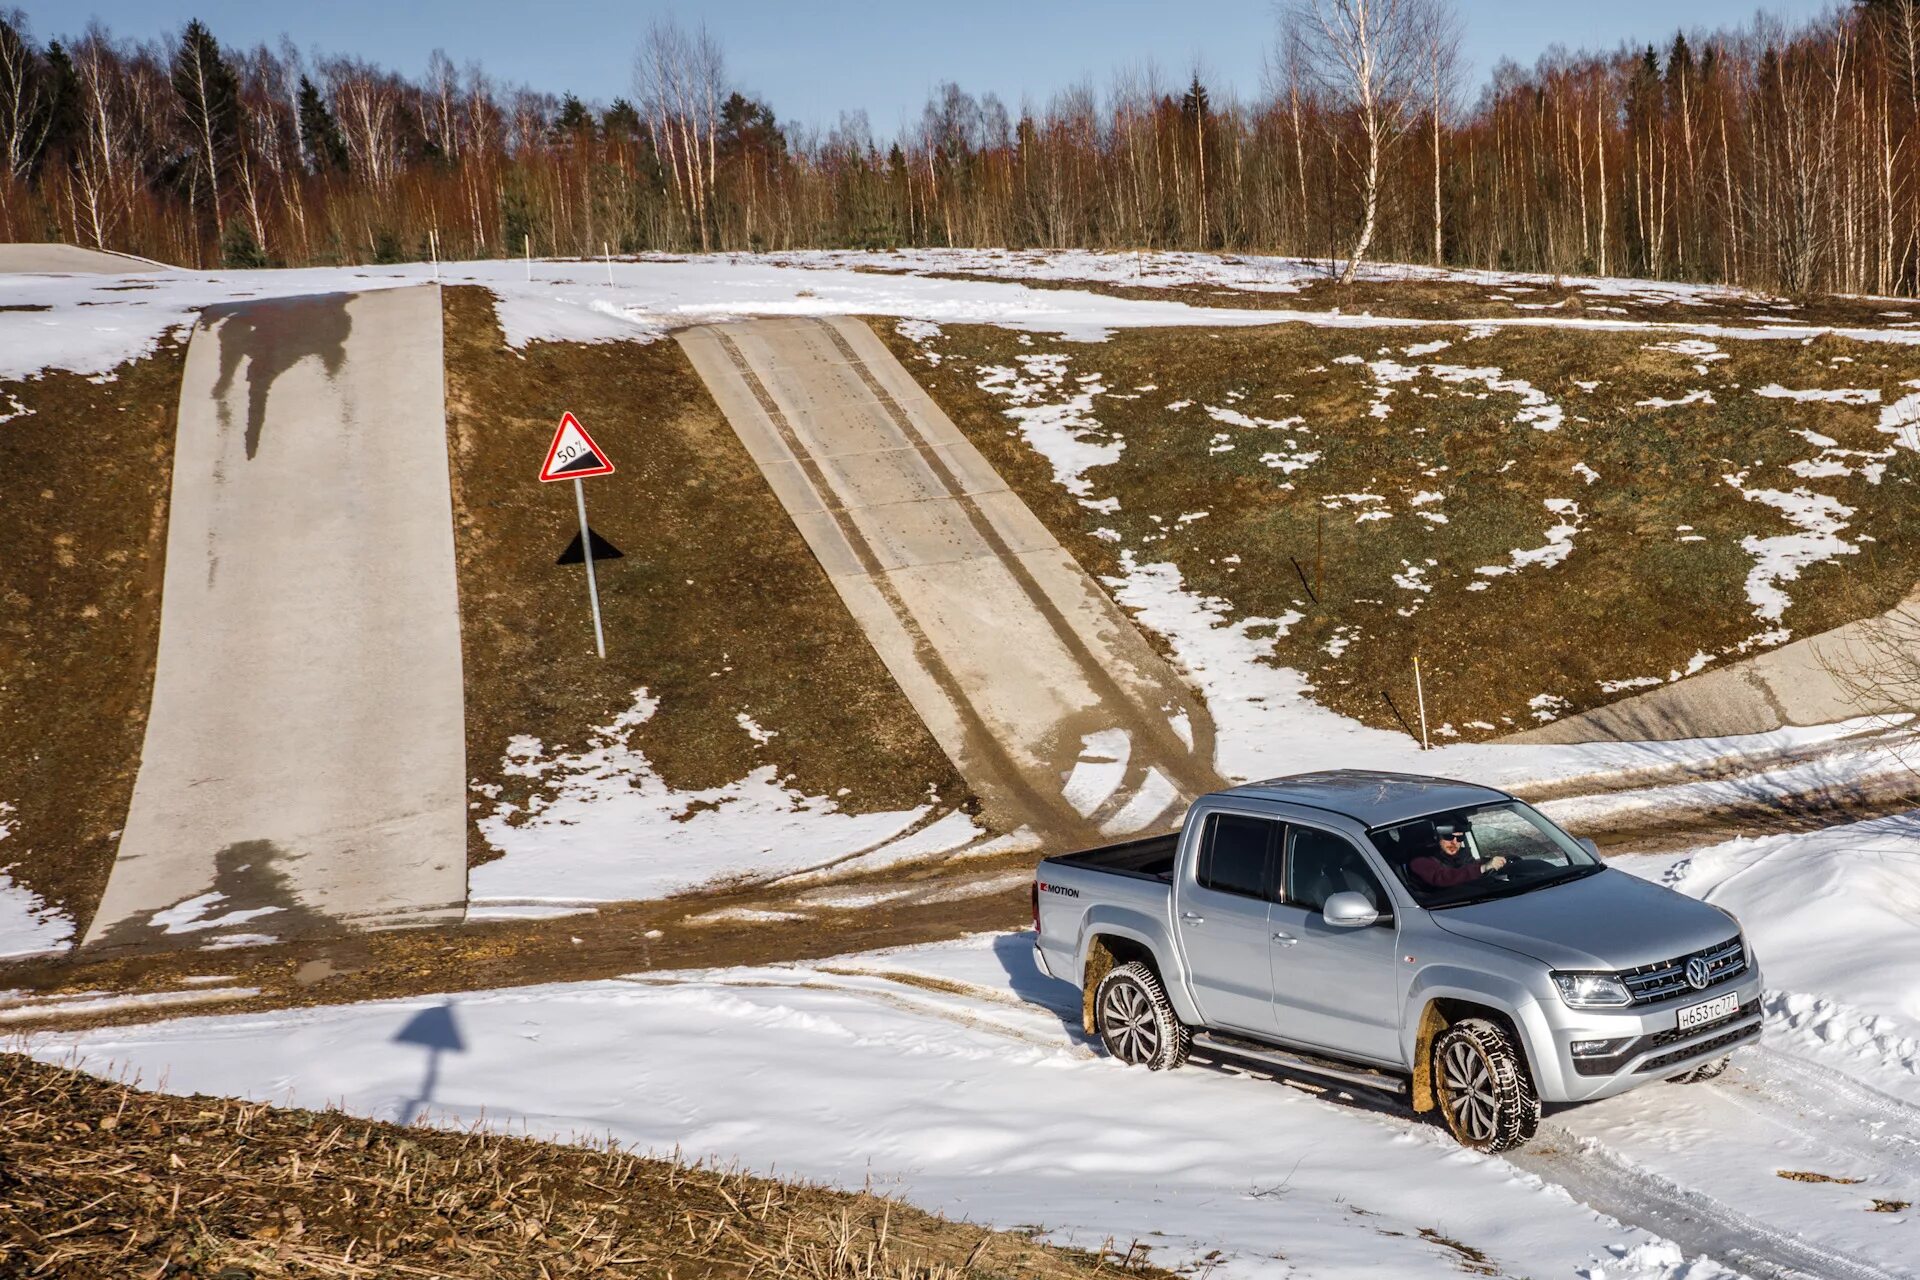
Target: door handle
x,y
1192,917
1285,939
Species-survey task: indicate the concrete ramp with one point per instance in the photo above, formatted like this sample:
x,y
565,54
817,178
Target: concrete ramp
x,y
304,764
1044,695
71,259
1864,668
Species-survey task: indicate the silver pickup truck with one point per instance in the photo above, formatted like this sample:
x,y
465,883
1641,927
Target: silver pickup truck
x,y
1426,937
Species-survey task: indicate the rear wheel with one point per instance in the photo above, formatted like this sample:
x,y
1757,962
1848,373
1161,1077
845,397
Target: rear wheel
x,y
1136,1021
1705,1071
1487,1100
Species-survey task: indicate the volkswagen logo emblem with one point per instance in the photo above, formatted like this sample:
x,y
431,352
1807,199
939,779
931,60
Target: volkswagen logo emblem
x,y
1697,973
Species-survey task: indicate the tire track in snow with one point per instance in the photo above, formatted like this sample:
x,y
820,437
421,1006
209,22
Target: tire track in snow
x,y
1697,1222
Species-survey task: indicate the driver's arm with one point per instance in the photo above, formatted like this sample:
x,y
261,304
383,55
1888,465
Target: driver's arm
x,y
1432,871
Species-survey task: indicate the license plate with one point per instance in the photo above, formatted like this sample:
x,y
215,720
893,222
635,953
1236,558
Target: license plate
x,y
1698,1015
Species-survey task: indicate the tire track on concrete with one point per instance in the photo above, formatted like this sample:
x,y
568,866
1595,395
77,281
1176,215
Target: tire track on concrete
x,y
1018,662
1172,754
1005,774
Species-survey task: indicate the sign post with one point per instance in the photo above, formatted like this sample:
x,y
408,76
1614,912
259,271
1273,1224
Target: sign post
x,y
574,456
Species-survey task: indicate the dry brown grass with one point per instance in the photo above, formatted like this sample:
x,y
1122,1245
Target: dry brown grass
x,y
85,474
1658,570
101,1180
717,608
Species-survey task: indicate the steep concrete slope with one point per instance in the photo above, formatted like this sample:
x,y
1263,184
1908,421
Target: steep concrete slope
x,y
304,760
70,259
1044,695
1817,680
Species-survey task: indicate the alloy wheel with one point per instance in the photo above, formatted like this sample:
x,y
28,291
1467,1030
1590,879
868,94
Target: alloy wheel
x,y
1127,1016
1470,1097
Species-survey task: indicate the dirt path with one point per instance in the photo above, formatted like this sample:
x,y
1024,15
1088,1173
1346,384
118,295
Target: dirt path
x,y
1048,700
303,762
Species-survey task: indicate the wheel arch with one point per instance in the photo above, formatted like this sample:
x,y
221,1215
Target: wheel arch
x,y
1441,1010
1110,942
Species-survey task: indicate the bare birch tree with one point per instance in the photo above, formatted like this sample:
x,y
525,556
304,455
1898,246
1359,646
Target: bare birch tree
x,y
1370,59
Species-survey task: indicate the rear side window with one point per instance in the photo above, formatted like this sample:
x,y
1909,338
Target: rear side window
x,y
1237,855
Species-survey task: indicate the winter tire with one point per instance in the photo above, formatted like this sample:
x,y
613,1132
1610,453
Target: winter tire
x,y
1486,1097
1136,1021
1705,1071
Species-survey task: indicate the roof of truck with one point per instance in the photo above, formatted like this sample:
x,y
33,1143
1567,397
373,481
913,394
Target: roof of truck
x,y
1370,796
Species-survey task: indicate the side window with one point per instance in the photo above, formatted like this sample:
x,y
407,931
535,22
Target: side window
x,y
1235,855
1321,864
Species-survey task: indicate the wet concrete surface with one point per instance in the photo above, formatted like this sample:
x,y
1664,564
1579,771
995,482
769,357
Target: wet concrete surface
x,y
304,758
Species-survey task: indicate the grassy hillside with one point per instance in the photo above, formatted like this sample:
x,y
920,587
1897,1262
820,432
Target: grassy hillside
x,y
718,608
86,465
1550,518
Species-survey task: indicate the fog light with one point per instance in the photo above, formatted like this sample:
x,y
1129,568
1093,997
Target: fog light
x,y
1595,1048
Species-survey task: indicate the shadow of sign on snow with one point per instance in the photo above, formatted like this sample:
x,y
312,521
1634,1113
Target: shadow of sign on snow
x,y
437,1031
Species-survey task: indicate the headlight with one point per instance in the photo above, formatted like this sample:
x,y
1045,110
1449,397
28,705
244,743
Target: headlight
x,y
1592,990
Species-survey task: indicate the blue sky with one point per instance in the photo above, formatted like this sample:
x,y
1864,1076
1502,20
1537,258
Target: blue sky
x,y
811,59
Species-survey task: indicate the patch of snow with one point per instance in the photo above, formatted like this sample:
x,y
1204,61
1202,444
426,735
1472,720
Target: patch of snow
x,y
80,1007
751,727
1818,519
1057,422
611,829
1558,547
1691,397
28,926
191,916
1774,391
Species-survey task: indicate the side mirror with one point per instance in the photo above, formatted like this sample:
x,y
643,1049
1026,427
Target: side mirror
x,y
1589,846
1349,910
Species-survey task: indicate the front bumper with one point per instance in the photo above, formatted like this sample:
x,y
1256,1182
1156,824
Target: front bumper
x,y
1653,1047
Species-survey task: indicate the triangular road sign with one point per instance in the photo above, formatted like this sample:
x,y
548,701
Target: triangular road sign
x,y
573,454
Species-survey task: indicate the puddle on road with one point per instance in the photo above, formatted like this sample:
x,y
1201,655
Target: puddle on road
x,y
273,336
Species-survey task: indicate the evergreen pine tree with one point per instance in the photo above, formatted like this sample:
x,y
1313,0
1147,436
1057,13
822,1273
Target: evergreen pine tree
x,y
64,121
210,110
573,118
621,123
319,132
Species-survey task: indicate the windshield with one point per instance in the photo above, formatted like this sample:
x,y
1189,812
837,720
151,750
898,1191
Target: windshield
x,y
1471,855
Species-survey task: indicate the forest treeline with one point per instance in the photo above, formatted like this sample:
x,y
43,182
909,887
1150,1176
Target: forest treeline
x,y
1782,158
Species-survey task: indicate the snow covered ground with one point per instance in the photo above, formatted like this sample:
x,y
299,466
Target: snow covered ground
x,y
956,1076
975,1100
91,323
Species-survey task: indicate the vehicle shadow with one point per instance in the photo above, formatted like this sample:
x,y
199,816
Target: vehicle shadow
x,y
1027,981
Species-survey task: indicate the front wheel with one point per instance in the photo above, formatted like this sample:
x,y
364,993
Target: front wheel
x,y
1136,1021
1486,1096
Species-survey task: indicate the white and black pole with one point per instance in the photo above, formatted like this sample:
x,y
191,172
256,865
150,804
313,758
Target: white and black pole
x,y
586,552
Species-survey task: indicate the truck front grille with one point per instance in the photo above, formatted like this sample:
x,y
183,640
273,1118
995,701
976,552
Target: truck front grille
x,y
1651,983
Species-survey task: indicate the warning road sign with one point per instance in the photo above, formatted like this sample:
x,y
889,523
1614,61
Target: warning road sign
x,y
573,455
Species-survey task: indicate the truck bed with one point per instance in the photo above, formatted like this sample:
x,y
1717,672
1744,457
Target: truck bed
x,y
1150,858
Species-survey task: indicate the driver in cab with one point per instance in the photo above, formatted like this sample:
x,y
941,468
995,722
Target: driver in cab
x,y
1449,864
